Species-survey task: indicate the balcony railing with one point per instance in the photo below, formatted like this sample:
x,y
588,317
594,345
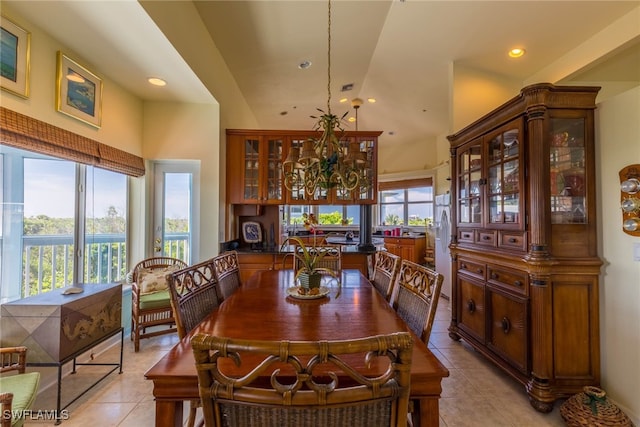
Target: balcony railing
x,y
47,260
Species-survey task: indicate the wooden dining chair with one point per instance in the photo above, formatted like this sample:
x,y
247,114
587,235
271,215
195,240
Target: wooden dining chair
x,y
194,294
385,271
150,301
310,383
227,271
331,258
416,297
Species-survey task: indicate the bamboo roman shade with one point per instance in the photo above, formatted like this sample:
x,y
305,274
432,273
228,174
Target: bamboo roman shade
x,y
405,183
24,132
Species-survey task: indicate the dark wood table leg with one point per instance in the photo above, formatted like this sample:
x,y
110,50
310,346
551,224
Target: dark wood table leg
x,y
426,412
168,413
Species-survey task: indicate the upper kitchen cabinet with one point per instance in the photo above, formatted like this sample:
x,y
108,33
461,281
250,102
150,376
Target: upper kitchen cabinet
x,y
526,269
254,167
255,174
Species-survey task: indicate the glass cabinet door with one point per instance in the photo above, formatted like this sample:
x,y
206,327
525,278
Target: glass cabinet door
x,y
274,170
470,176
567,171
504,181
251,169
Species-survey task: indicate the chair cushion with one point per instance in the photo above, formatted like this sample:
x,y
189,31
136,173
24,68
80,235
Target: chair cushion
x,y
152,280
160,299
24,388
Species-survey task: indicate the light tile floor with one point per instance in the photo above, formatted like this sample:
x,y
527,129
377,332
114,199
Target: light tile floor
x,y
475,394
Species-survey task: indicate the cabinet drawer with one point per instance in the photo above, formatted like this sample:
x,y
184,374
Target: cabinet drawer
x,y
465,236
472,268
511,240
471,308
508,331
513,280
487,238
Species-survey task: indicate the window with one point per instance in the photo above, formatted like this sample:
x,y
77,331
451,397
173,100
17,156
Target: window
x,y
62,222
408,202
327,214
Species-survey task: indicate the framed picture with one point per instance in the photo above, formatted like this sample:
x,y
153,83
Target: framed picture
x,y
15,50
78,91
252,232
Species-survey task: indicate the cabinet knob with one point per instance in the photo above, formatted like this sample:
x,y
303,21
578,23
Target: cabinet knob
x,y
517,283
512,240
463,265
479,270
494,276
471,306
506,325
486,237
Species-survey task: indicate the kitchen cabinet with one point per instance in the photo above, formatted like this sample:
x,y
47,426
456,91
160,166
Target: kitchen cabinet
x,y
254,168
409,248
526,269
255,175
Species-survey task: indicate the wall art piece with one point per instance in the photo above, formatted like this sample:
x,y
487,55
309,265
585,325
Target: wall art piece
x,y
78,91
15,50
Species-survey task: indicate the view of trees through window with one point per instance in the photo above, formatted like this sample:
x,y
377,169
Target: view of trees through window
x,y
49,220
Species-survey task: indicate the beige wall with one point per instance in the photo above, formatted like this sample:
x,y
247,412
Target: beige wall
x,y
617,146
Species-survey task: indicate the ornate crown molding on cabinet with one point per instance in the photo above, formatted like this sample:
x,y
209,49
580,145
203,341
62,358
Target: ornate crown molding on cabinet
x,y
525,263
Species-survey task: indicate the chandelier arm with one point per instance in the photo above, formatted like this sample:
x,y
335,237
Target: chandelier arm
x,y
329,58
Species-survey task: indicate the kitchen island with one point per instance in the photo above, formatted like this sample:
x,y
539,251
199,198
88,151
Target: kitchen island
x,y
252,260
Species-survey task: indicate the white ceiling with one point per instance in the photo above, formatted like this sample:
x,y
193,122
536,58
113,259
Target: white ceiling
x,y
400,52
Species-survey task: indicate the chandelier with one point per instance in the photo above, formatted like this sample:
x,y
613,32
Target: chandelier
x,y
326,162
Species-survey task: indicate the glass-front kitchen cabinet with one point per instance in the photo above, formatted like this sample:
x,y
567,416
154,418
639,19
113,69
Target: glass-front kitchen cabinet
x,y
255,176
254,164
525,267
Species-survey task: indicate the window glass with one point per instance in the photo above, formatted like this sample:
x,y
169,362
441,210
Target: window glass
x,y
48,225
106,207
63,223
411,206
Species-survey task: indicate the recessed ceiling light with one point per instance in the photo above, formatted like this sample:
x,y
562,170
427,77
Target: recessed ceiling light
x,y
343,100
351,119
371,100
304,64
516,52
156,81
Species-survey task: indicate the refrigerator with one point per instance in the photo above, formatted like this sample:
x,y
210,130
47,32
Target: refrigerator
x,y
442,224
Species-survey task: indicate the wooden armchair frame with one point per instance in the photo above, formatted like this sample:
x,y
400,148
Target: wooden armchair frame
x,y
15,359
289,383
160,313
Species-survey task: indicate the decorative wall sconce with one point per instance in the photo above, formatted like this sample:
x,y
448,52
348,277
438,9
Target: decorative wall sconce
x,y
630,199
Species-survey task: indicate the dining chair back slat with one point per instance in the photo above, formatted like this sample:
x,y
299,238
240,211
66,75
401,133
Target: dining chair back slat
x,y
194,294
313,383
416,297
385,272
227,271
331,256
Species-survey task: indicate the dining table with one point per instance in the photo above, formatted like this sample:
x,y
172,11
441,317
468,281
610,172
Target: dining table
x,y
268,307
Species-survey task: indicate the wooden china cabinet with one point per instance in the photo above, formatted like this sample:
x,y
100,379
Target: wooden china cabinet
x,y
525,263
254,168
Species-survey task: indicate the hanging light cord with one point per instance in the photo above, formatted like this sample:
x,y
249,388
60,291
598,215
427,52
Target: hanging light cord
x,y
329,60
